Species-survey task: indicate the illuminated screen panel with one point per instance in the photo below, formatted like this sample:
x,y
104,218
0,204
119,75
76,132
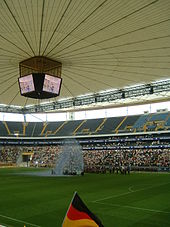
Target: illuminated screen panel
x,y
52,84
26,84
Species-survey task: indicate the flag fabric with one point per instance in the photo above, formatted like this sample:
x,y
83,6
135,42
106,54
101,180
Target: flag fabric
x,y
78,215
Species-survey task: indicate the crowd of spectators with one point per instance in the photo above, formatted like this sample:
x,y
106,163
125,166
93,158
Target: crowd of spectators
x,y
99,157
9,154
39,156
44,156
136,159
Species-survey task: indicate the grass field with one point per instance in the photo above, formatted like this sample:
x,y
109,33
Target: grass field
x,y
138,199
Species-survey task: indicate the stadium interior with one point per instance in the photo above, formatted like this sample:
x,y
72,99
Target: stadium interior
x,y
103,67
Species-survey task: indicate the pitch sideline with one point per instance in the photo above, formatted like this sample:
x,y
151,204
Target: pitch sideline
x,y
129,192
17,220
135,208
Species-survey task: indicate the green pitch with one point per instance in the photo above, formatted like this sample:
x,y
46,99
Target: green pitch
x,y
138,199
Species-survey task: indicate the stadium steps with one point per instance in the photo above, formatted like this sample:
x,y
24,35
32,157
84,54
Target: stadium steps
x,y
37,128
48,132
77,128
13,128
99,128
68,128
25,124
90,126
117,128
51,128
145,127
167,124
128,123
29,128
86,131
3,131
44,127
60,127
110,125
7,128
32,134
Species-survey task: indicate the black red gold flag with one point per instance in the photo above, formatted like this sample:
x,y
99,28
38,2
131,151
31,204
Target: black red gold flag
x,y
78,215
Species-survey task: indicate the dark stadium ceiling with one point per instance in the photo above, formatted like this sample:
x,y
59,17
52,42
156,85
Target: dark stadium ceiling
x,y
102,44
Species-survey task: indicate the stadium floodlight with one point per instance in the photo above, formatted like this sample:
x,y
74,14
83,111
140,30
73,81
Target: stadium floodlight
x,y
159,89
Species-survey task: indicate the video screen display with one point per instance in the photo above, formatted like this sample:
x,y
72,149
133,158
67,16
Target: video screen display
x,y
52,84
26,84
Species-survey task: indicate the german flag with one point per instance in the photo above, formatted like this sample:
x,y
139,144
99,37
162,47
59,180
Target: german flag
x,y
78,215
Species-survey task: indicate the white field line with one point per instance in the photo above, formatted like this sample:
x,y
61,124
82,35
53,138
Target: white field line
x,y
119,195
109,197
129,192
17,220
130,189
132,207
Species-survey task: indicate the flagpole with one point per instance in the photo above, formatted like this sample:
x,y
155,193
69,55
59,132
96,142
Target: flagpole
x,y
69,206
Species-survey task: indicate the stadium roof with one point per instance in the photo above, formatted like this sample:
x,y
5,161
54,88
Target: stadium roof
x,y
102,44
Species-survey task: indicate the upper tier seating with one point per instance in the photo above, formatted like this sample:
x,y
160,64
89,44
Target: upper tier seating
x,y
89,126
158,117
167,123
128,123
3,131
110,125
141,122
102,126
